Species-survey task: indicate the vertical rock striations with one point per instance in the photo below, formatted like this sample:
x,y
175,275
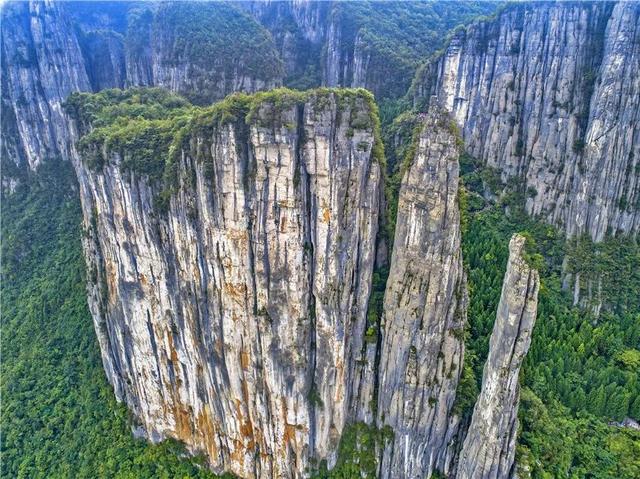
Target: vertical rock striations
x,y
52,49
41,65
231,305
549,93
488,451
424,311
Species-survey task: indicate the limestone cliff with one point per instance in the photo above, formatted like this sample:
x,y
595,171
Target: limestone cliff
x,y
424,311
549,94
41,65
319,41
51,49
488,451
231,252
232,315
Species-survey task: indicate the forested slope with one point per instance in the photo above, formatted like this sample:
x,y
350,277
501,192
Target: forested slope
x,y
581,373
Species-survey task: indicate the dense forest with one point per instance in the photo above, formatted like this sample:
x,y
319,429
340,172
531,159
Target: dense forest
x,y
581,372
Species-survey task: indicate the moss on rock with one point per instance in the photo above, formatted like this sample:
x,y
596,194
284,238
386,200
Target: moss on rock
x,y
147,129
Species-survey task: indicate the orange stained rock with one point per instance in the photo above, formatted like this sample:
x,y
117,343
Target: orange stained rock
x,y
236,291
111,281
290,433
207,431
326,214
246,428
245,359
237,234
184,429
173,352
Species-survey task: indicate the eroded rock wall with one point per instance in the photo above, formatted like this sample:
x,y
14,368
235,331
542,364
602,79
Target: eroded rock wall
x,y
549,93
202,51
235,321
424,311
41,65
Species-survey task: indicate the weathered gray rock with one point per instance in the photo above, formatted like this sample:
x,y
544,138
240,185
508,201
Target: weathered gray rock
x,y
375,45
41,65
488,451
235,321
424,311
50,51
549,93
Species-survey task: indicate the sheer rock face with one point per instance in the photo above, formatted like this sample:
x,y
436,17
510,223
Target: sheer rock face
x,y
299,30
235,321
41,65
550,93
424,312
344,60
160,53
50,51
489,447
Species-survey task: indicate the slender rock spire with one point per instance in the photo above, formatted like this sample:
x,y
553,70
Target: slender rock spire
x,y
425,310
489,447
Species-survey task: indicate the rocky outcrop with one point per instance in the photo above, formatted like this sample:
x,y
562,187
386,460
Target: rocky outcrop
x,y
203,51
230,284
488,451
549,93
233,319
424,311
345,61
